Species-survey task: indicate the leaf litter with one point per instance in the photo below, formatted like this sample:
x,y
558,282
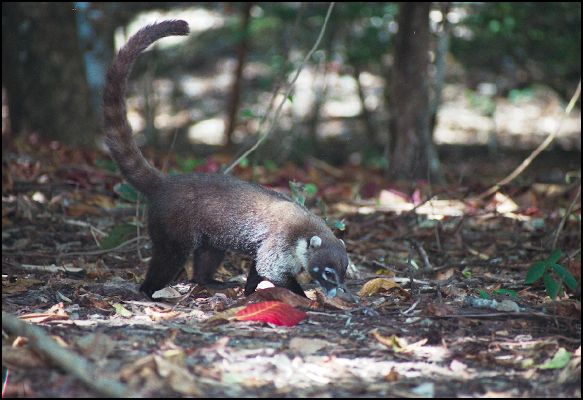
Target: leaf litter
x,y
444,271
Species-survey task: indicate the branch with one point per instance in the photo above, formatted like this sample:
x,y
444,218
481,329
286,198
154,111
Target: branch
x,y
288,92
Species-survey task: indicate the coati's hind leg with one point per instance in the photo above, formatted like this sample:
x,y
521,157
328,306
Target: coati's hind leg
x,y
168,259
206,261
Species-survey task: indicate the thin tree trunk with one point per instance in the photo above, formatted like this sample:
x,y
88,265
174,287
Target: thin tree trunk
x,y
413,154
365,114
242,50
441,50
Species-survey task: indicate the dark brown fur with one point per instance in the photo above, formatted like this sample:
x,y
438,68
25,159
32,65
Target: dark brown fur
x,y
206,214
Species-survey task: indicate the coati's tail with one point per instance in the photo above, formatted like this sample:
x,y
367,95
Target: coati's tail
x,y
124,150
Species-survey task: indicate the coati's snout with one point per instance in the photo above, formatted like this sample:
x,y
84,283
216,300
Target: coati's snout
x,y
327,264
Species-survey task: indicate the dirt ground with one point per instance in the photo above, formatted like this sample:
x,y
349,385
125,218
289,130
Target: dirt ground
x,y
451,315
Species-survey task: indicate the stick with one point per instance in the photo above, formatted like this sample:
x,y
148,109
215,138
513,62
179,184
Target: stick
x,y
537,151
70,362
426,264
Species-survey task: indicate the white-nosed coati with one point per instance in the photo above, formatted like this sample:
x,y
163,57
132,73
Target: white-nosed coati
x,y
206,214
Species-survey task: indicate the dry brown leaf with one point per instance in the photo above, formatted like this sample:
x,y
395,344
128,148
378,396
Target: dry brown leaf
x,y
377,285
55,313
439,310
79,209
223,317
100,200
392,376
159,314
502,204
444,274
333,302
20,286
398,344
391,341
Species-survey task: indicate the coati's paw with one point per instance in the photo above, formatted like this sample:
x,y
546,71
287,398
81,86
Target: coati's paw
x,y
147,292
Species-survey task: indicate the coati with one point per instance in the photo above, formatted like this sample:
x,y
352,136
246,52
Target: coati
x,y
206,214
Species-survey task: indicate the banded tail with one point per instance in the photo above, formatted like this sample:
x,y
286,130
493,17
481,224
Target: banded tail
x,y
124,150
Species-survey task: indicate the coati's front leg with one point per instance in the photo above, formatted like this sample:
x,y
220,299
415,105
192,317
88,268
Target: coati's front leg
x,y
289,282
253,279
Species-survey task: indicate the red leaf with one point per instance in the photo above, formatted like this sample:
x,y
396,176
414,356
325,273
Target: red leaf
x,y
274,312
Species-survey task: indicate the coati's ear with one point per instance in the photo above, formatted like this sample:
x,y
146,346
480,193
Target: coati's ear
x,y
315,242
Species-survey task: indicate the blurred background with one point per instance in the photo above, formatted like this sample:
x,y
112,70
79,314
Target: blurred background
x,y
404,88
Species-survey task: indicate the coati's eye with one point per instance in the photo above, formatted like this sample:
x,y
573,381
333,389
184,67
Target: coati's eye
x,y
330,275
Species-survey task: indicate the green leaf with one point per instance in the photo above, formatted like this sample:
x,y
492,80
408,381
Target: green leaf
x,y
310,189
244,163
565,276
117,235
551,286
483,294
467,273
188,164
507,292
121,310
128,193
247,113
106,164
559,360
296,193
554,257
535,272
270,166
290,98
340,225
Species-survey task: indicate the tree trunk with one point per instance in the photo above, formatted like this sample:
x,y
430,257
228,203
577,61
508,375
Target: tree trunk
x,y
235,97
365,115
44,74
413,154
441,51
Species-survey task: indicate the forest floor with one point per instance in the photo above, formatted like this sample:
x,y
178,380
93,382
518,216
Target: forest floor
x,y
446,312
